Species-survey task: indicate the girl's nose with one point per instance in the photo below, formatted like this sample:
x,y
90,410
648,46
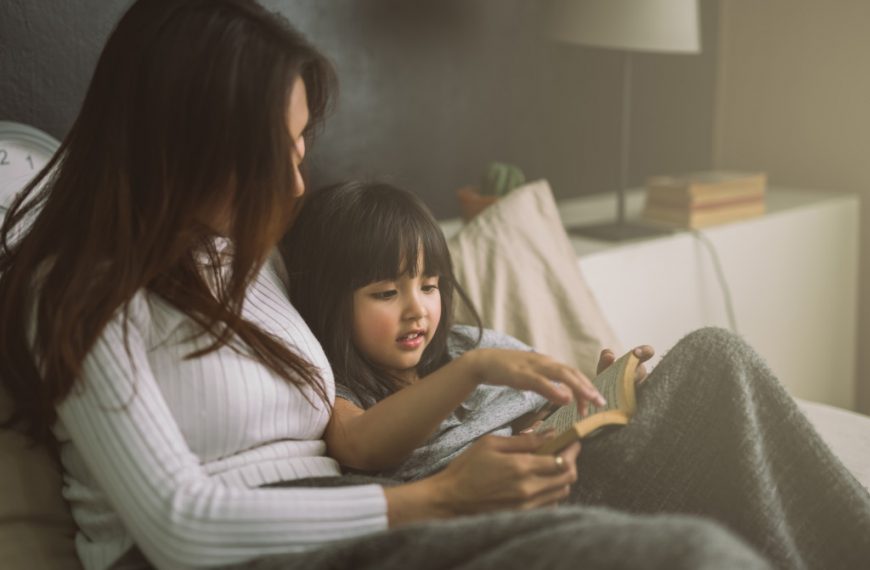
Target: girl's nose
x,y
415,309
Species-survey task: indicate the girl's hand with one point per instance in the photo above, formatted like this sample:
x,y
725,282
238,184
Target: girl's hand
x,y
496,473
643,353
523,370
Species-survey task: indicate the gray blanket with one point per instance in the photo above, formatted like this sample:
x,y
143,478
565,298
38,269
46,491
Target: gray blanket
x,y
719,469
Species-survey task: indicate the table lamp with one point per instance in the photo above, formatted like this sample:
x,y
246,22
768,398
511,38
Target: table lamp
x,y
664,26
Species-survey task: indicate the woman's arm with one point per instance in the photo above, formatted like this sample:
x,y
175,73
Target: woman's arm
x,y
385,434
181,518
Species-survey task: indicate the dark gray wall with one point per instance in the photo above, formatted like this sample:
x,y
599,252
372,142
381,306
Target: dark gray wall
x,y
430,91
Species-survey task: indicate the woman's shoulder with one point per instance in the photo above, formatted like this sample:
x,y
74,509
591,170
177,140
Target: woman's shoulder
x,y
275,264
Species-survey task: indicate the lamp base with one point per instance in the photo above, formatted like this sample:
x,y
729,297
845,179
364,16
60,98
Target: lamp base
x,y
616,231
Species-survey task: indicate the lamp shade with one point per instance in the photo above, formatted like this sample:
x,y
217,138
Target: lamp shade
x,y
634,25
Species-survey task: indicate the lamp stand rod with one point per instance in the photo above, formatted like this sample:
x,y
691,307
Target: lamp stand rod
x,y
624,139
621,229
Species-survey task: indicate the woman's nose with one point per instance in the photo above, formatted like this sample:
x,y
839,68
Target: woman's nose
x,y
298,182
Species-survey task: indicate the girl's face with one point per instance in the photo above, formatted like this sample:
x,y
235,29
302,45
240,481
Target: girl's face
x,y
394,321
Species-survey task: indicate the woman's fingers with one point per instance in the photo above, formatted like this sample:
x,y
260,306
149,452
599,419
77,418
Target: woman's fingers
x,y
551,497
542,490
504,473
527,463
532,428
523,443
547,465
605,359
640,374
571,453
643,353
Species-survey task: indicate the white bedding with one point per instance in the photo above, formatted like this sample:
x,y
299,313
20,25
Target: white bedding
x,y
847,433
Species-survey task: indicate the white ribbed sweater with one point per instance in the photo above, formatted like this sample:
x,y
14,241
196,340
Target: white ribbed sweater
x,y
169,452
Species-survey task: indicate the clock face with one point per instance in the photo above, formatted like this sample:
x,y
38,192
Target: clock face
x,y
24,151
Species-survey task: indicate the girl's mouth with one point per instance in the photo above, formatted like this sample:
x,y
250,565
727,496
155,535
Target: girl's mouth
x,y
411,340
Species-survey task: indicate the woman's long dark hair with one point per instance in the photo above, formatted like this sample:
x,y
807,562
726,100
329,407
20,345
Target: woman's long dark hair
x,y
348,236
185,116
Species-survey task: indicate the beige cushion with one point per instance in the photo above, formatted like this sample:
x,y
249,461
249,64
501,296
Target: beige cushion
x,y
517,265
36,529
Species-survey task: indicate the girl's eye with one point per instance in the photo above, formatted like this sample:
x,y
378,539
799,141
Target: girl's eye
x,y
383,295
430,288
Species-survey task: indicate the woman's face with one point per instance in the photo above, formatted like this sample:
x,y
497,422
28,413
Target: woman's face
x,y
297,120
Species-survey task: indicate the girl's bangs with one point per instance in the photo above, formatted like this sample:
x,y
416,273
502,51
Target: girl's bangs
x,y
389,250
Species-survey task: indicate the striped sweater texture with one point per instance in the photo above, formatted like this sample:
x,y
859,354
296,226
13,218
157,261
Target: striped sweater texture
x,y
169,452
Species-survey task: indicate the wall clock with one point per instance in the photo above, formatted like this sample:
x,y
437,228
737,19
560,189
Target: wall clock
x,y
24,151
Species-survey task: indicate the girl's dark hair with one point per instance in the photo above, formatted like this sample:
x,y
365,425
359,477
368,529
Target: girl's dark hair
x,y
186,113
353,234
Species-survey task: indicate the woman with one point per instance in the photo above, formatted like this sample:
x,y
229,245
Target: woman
x,y
172,370
145,327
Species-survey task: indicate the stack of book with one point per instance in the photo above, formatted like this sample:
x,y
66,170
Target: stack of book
x,y
704,199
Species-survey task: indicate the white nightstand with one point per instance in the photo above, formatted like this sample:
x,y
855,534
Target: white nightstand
x,y
792,274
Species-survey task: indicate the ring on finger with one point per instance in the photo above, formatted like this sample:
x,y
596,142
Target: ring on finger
x,y
560,462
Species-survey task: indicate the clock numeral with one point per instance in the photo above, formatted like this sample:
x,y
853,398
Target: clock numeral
x,y
29,159
3,156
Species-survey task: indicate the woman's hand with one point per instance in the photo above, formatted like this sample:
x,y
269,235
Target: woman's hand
x,y
496,473
523,370
643,353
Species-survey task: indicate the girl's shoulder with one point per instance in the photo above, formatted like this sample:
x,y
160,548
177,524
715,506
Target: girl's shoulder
x,y
463,338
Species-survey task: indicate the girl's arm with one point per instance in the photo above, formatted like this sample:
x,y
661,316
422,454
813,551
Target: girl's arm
x,y
384,435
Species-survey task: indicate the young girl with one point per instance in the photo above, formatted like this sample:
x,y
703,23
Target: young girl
x,y
370,273
715,433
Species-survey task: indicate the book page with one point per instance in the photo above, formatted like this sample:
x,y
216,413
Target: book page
x,y
608,383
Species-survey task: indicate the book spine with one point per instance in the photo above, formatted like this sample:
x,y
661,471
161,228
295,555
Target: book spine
x,y
658,201
708,187
694,219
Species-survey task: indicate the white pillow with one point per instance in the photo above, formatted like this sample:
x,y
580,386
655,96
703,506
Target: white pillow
x,y
517,265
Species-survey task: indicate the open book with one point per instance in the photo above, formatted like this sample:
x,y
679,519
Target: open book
x,y
616,384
